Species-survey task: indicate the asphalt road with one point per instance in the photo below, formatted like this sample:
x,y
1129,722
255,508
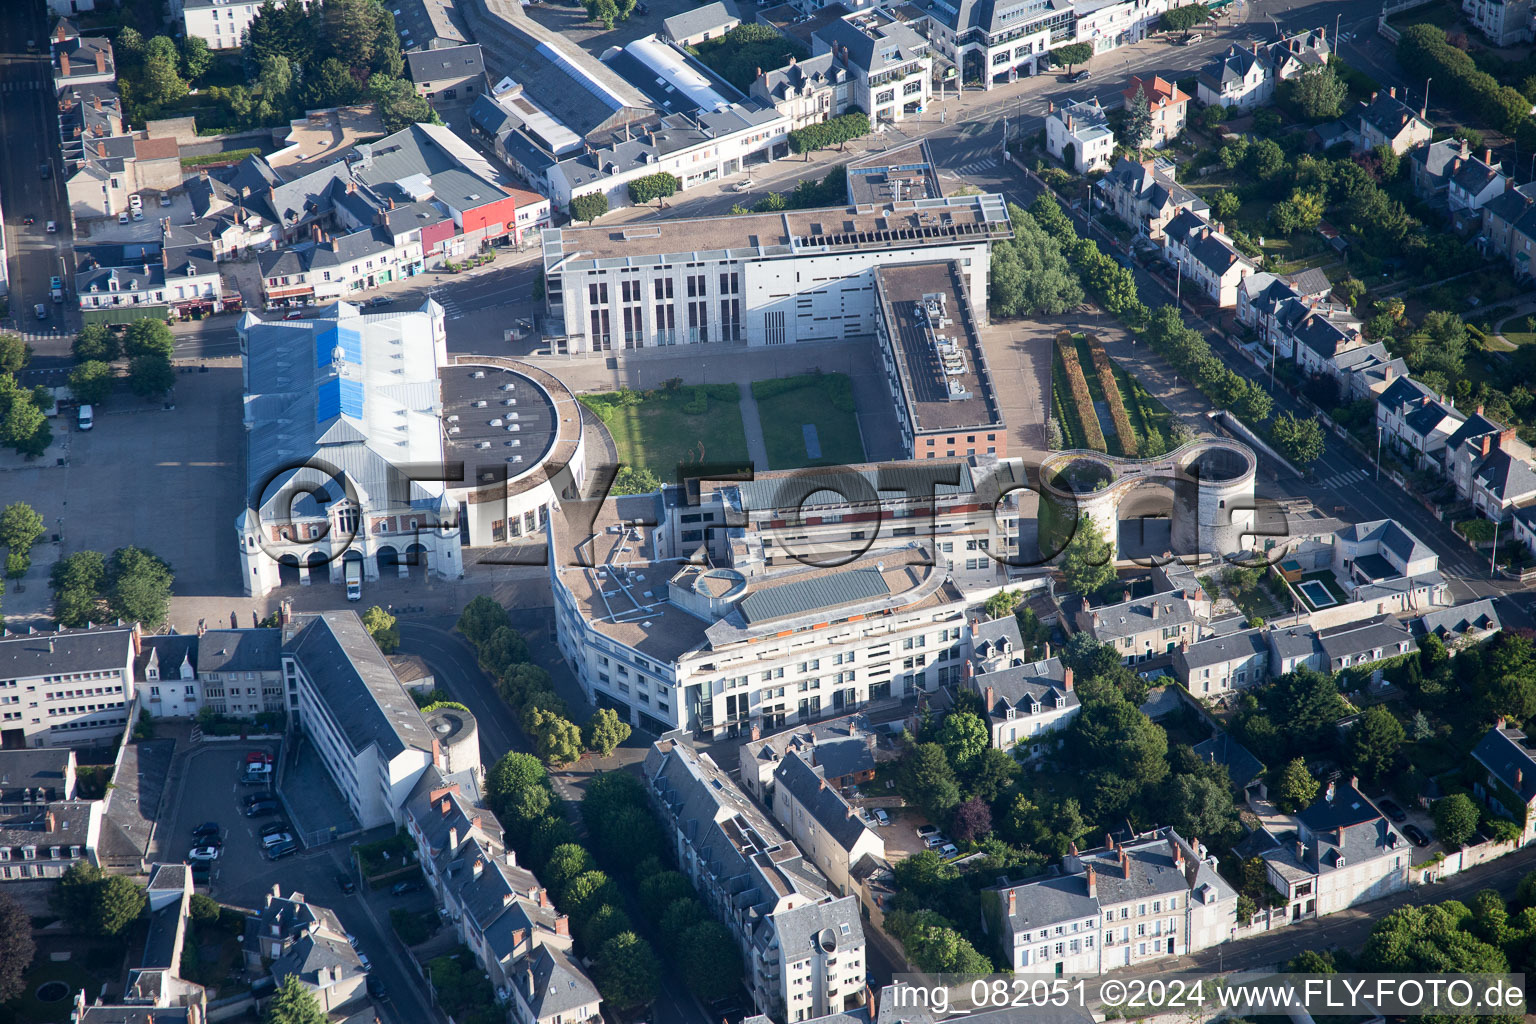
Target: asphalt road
x,y
30,133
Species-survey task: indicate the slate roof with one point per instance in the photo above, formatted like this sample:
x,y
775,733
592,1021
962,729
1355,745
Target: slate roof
x,y
1431,416
839,746
166,653
1311,281
358,686
885,45
1474,426
38,773
240,650
1242,767
1022,685
1363,638
1320,334
1506,477
1293,642
812,73
1388,115
821,801
71,825
1128,618
559,986
1389,534
1339,831
103,648
708,17
444,64
1232,66
1221,649
1448,623
1405,391
1506,753
1089,121
1045,901
1202,243
995,15
1449,161
1153,186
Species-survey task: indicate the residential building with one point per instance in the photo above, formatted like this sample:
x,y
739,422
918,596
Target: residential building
x,y
1509,225
371,406
79,60
1459,626
1504,22
1509,785
1206,256
222,24
1125,904
842,750
44,828
803,943
155,990
691,281
68,688
997,43
451,74
343,694
293,937
887,61
1222,664
1168,103
1321,340
806,92
1145,196
1110,24
1307,50
1349,645
709,21
122,283
1416,423
1024,700
1079,136
720,649
1264,299
236,672
1524,522
822,823
1149,627
1447,174
1388,121
935,367
1240,78
1342,852
323,136
1493,486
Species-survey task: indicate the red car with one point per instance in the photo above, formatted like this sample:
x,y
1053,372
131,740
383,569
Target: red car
x,y
258,757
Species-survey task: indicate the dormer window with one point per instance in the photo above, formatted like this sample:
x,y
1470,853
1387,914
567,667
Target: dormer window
x,y
1010,714
1034,707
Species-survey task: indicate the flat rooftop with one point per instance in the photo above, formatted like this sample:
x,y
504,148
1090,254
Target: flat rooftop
x,y
546,416
906,224
800,27
944,376
905,173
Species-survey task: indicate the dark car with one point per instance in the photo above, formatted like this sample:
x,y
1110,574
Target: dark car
x,y
376,989
1081,76
1415,835
345,884
207,828
281,850
273,828
261,809
409,885
1391,810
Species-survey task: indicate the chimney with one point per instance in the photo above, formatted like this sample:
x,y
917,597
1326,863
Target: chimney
x,y
1301,850
1390,373
479,861
990,699
1109,841
1374,95
1127,596
101,62
1125,864
453,838
1498,723
757,732
1392,92
1096,618
62,35
562,925
1488,157
52,822
1157,610
1066,680
1013,902
51,645
96,101
101,149
1506,438
968,669
1456,161
823,784
1487,444
1093,882
1047,646
1479,408
1331,790
64,65
544,898
1519,779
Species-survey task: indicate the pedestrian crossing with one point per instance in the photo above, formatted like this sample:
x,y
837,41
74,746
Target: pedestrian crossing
x,y
1340,481
452,310
28,86
981,166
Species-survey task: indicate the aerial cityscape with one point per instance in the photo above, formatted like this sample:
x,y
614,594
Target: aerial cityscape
x,y
758,512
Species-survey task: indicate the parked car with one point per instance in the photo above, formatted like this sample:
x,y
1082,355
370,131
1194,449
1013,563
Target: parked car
x,y
949,850
138,213
255,798
1391,810
136,201
927,830
53,227
936,840
1415,835
262,771
297,314
122,218
261,808
165,200
272,828
345,884
745,186
85,419
363,959
277,839
281,850
1081,76
377,990
207,828
409,885
257,757
203,853
41,311
881,818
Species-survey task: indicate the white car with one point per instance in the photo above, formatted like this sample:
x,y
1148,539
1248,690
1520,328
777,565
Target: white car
x,y
122,218
745,186
53,227
935,841
165,200
949,850
276,839
204,853
138,213
136,201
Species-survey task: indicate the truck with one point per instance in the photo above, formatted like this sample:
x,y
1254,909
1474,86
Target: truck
x,y
354,575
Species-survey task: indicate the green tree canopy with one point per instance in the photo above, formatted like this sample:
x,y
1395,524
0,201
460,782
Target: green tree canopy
x,y
964,738
626,971
138,586
1374,742
91,382
710,961
556,739
1182,19
605,731
77,584
15,354
293,1004
589,207
1072,54
481,617
95,341
148,336
1295,789
150,376
660,185
381,626
1319,93
16,947
20,526
1087,563
1136,129
740,53
1456,819
1300,441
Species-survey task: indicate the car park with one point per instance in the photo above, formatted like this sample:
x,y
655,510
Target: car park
x,y
1415,835
1391,810
401,888
203,853
345,884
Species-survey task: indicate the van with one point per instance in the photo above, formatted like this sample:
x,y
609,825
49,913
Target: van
x,y
87,418
354,576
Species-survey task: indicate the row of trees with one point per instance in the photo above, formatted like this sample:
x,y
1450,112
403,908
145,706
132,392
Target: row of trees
x,y
133,585
527,688
147,344
1425,52
1029,274
837,131
831,189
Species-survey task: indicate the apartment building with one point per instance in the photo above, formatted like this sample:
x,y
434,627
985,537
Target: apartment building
x,y
1206,256
1388,121
68,688
935,367
806,92
292,937
1168,104
1222,664
1147,627
235,672
122,283
825,827
79,60
803,944
1416,422
222,24
1110,24
1268,303
1508,786
349,703
1079,135
1342,852
1349,645
887,60
1125,904
803,275
1449,175
843,750
1490,466
1024,699
448,74
1146,196
1504,22
44,828
996,43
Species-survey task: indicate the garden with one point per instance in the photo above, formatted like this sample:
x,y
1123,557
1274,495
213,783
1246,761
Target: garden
x,y
809,420
673,426
1098,405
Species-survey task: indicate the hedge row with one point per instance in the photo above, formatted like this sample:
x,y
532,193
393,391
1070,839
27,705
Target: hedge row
x,y
838,387
1081,398
1111,388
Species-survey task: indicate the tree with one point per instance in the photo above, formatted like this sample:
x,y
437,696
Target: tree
x,y
399,104
138,586
567,862
658,186
924,776
16,947
116,903
1266,159
381,626
604,925
1137,127
1455,819
990,775
1374,742
1295,789
587,893
1002,603
15,354
503,648
972,821
1224,204
605,731
481,617
626,971
635,480
1087,563
1319,93
1300,441
150,376
605,11
331,85
738,55
1072,54
293,1004
20,526
148,336
91,382
95,341
23,425
1182,19
1030,274
159,79
663,889
589,207
682,915
77,581
555,739
1119,752
964,737
1200,805
710,961
196,58
1212,116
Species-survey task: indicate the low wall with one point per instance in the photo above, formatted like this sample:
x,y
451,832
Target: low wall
x,y
233,1006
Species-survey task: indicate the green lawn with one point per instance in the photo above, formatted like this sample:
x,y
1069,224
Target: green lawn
x,y
653,431
1144,410
822,399
27,1008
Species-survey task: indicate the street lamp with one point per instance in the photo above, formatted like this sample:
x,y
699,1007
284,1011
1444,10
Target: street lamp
x,y
1493,557
1426,95
1378,451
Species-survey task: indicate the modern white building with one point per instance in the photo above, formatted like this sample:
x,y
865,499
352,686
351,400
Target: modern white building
x,y
691,281
887,61
803,944
337,408
219,23
69,688
1079,136
1504,22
